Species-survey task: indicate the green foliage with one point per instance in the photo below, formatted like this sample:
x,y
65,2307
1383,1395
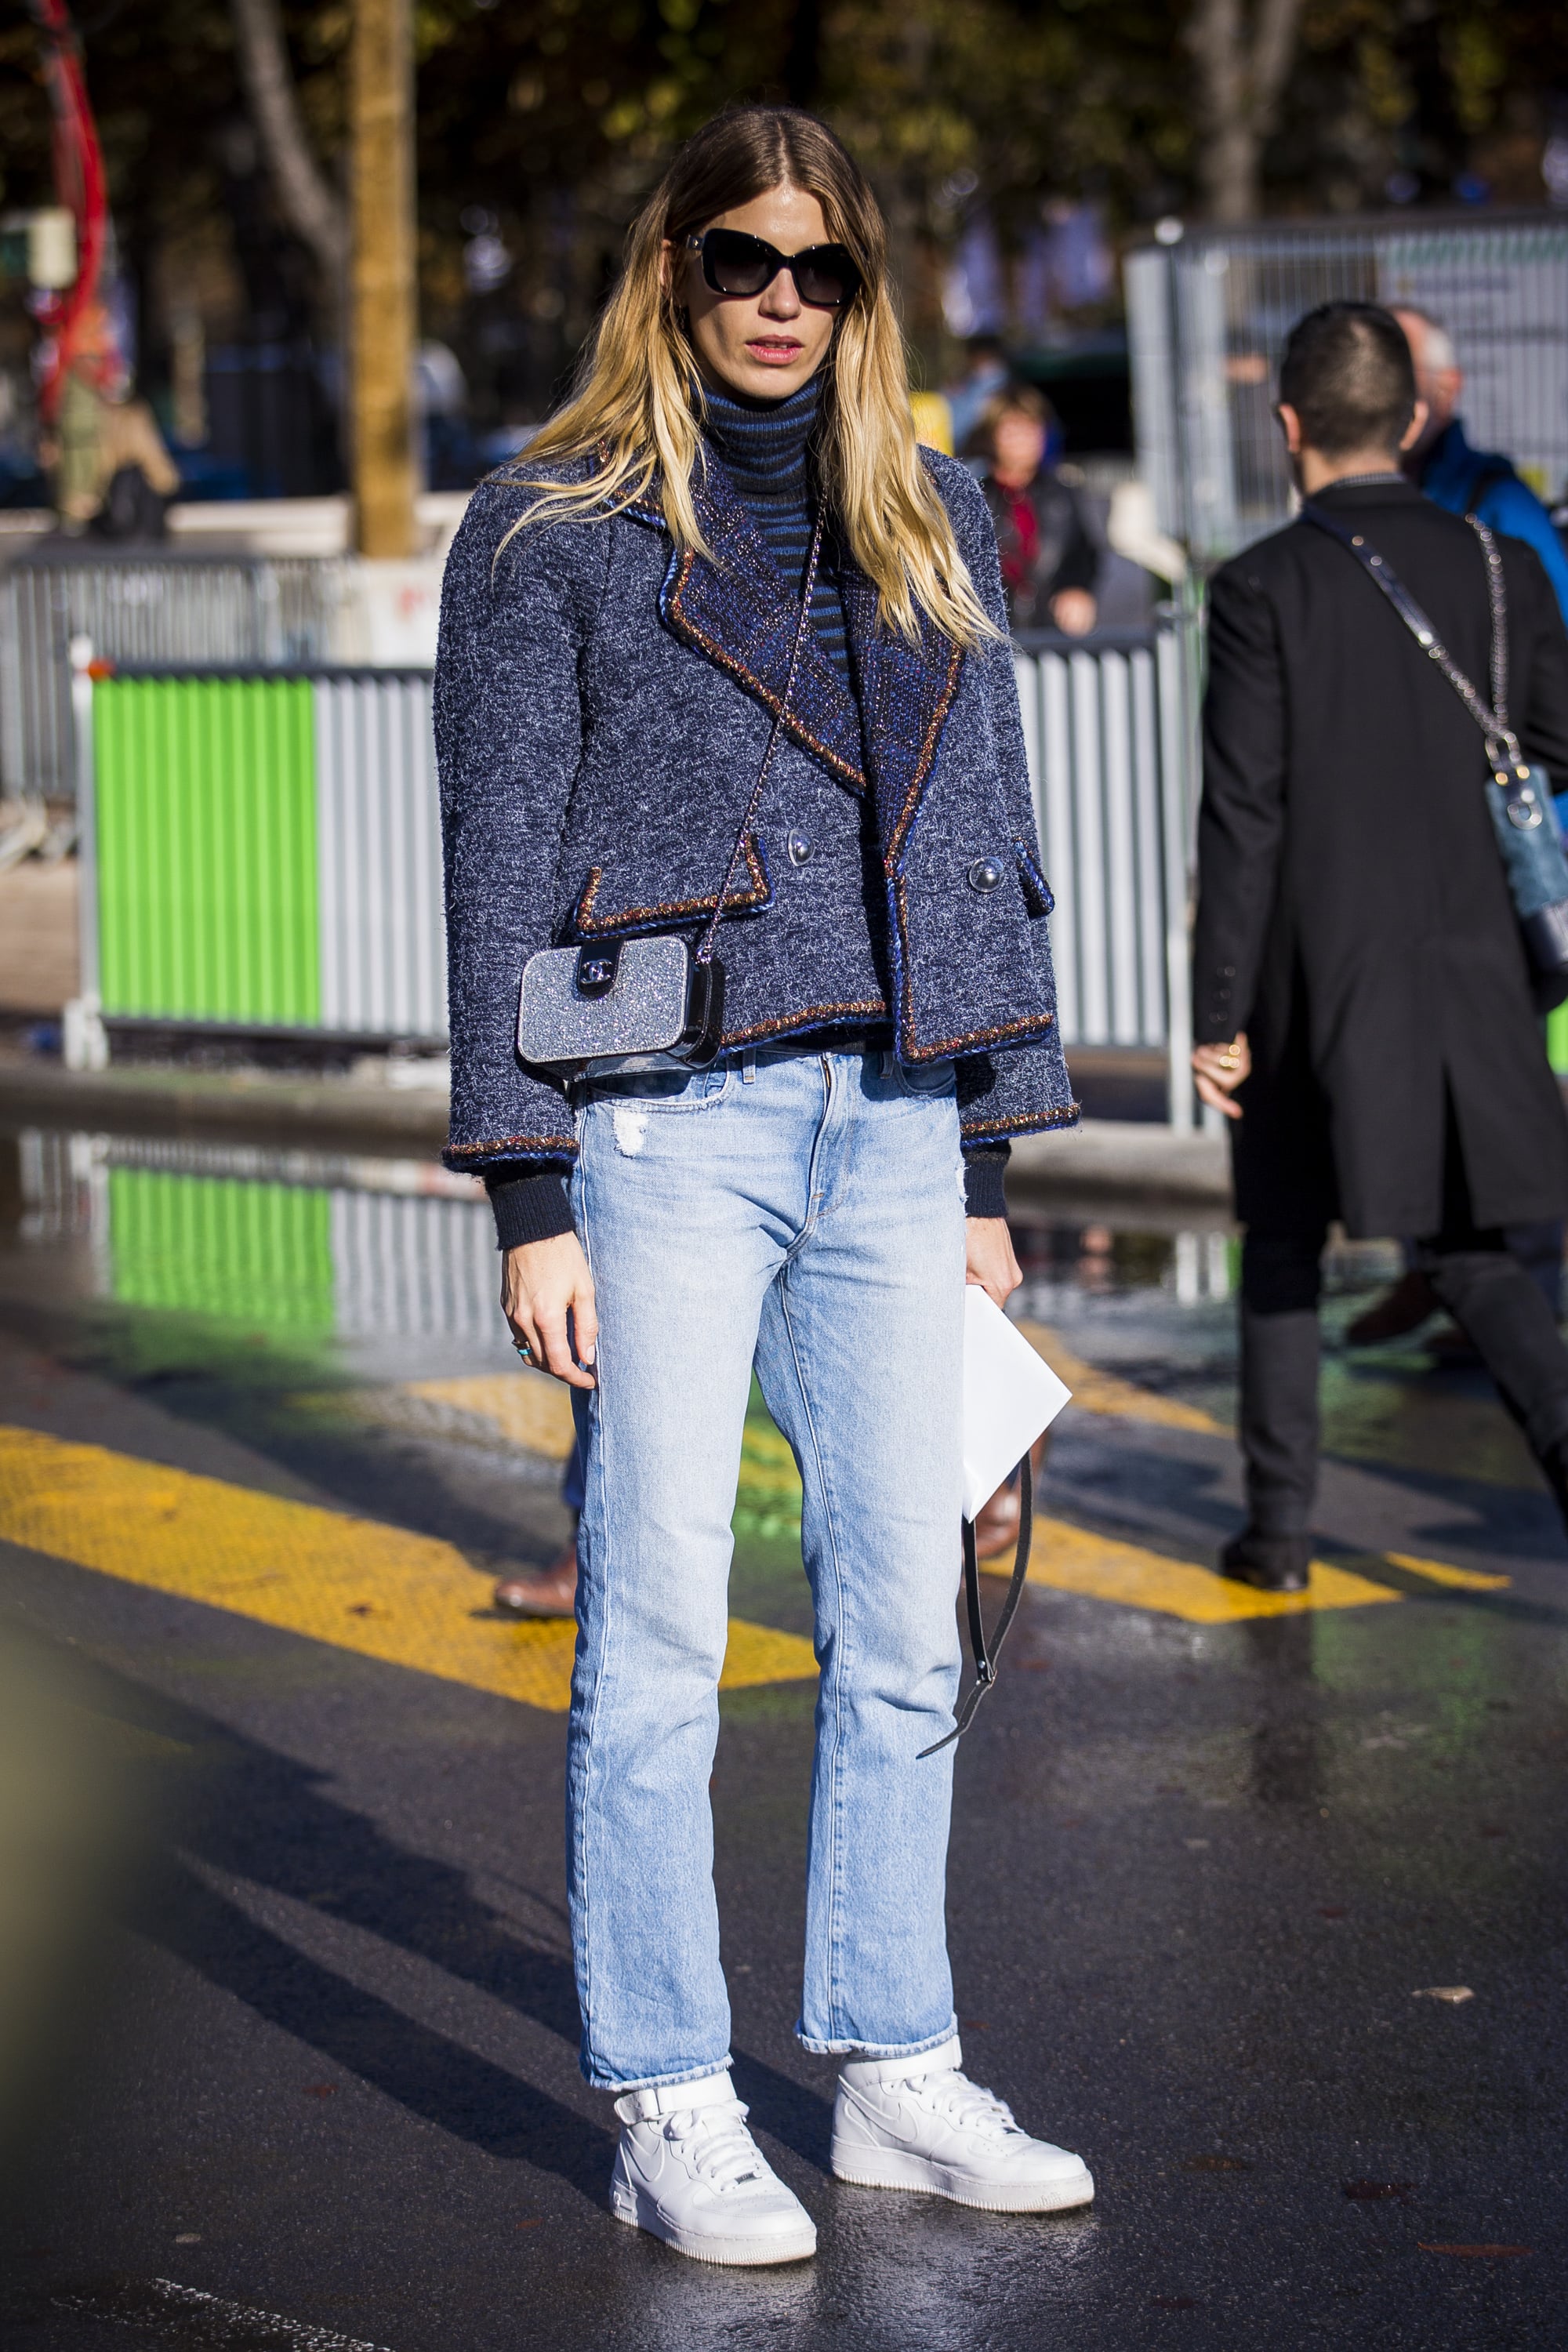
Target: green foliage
x,y
556,115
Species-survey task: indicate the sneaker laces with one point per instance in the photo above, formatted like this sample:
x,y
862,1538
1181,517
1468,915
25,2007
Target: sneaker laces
x,y
954,2096
720,2147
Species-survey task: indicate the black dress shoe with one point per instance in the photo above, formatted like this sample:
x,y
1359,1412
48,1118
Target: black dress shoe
x,y
1268,1563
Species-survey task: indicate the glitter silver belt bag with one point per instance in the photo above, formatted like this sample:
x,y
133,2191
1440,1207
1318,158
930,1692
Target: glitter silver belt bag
x,y
611,999
1518,797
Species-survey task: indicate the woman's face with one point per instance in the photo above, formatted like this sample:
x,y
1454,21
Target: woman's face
x,y
765,345
1019,443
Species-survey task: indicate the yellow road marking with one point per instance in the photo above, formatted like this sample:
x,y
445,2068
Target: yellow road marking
x,y
1463,1579
1071,1559
525,1407
407,1600
1099,1392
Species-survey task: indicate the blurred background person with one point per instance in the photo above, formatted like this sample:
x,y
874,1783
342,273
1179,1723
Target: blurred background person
x,y
1484,483
112,474
1050,563
1361,987
1443,465
985,374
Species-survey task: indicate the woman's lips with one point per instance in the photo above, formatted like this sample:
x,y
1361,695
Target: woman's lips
x,y
775,354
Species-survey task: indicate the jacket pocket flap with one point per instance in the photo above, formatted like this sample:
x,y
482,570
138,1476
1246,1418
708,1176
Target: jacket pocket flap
x,y
601,910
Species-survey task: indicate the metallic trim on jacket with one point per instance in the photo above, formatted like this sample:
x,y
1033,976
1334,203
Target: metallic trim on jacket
x,y
574,742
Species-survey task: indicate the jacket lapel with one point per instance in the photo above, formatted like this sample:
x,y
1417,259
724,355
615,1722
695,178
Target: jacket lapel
x,y
906,693
736,608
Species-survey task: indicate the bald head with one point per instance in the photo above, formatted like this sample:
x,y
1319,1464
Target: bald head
x,y
1439,378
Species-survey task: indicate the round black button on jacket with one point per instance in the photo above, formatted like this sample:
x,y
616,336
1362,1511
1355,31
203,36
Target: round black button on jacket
x,y
985,874
799,848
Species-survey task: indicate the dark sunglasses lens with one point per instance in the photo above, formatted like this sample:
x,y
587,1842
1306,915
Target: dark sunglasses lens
x,y
825,275
734,264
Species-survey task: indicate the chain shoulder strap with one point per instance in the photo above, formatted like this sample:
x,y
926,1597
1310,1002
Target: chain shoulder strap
x,y
1499,618
706,945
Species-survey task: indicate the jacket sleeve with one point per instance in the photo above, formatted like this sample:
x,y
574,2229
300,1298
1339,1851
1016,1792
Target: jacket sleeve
x,y
1079,564
509,733
1026,1090
1512,508
1241,818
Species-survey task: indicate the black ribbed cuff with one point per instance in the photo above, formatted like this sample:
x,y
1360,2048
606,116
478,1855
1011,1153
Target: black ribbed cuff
x,y
984,1170
531,1208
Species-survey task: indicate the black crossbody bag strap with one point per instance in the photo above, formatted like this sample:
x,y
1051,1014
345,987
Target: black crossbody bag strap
x,y
985,1658
1503,745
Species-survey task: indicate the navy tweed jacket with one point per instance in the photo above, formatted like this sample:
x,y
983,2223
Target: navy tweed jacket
x,y
603,702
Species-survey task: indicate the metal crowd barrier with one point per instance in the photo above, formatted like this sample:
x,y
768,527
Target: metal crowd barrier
x,y
1108,727
134,605
260,852
1207,318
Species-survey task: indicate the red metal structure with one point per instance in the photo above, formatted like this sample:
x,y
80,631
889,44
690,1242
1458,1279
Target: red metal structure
x,y
79,185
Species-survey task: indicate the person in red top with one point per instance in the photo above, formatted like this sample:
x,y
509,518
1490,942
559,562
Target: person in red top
x,y
1049,563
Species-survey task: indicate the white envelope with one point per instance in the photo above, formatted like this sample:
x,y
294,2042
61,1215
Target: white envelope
x,y
1009,1396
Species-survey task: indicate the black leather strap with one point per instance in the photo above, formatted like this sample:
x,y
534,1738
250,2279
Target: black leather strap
x,y
1492,720
986,1657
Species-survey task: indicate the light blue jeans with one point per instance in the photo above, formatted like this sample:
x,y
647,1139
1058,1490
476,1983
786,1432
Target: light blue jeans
x,y
802,1212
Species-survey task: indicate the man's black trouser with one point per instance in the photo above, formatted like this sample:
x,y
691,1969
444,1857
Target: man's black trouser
x,y
1498,1306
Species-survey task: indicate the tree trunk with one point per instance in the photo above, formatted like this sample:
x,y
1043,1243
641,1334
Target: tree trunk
x,y
311,205
381,112
1240,74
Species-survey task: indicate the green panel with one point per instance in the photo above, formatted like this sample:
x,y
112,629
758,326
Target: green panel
x,y
259,1255
206,848
1557,1040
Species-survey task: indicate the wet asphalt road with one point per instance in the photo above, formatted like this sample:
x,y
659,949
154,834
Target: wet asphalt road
x,y
308,2047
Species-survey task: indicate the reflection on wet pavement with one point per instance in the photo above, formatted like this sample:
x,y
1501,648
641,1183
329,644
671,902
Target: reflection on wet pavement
x,y
263,1446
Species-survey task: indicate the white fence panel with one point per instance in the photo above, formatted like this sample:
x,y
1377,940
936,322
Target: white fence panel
x,y
1105,732
383,931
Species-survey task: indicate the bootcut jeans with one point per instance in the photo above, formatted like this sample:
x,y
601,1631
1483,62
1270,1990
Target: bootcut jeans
x,y
802,1212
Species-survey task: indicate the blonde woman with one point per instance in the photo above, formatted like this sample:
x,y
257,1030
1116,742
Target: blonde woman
x,y
622,609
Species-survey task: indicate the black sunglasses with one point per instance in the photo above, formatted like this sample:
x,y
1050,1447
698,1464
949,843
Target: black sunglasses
x,y
735,263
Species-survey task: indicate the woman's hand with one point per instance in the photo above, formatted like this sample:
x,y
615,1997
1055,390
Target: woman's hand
x,y
1218,1070
988,1259
542,1283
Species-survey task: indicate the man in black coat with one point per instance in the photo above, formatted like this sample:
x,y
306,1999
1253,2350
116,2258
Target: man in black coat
x,y
1362,990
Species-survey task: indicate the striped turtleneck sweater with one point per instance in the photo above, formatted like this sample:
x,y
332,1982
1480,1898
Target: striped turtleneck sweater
x,y
762,445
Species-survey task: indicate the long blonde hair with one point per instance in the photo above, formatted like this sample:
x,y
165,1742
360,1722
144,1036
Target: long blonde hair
x,y
637,409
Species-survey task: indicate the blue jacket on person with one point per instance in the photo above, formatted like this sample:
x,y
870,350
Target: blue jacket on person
x,y
603,702
1449,474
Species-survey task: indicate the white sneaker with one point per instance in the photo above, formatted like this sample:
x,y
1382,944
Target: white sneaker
x,y
918,2123
690,2172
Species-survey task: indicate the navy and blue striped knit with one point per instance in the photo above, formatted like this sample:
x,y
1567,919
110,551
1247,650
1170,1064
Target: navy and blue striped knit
x,y
762,446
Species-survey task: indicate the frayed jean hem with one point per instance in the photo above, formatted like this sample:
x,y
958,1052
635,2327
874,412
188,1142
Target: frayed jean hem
x,y
875,2049
659,2081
